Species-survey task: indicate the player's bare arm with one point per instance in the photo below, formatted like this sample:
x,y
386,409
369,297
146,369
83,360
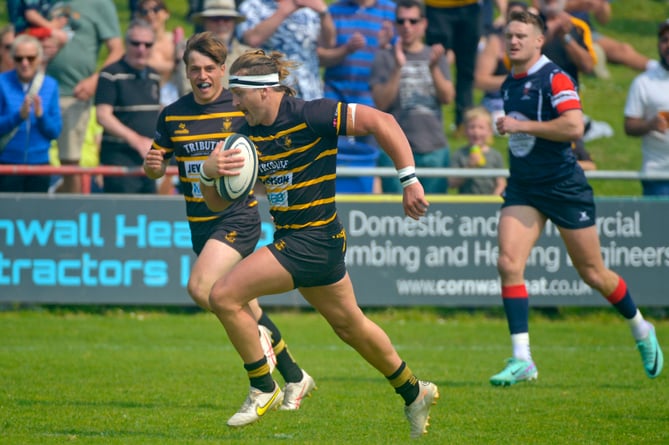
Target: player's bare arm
x,y
364,120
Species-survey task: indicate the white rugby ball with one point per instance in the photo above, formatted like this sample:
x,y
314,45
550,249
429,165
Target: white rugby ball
x,y
266,343
233,188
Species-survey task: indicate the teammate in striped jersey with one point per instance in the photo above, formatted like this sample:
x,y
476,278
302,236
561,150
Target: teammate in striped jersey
x,y
190,129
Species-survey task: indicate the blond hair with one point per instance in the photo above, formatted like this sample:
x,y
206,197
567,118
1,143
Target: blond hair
x,y
480,112
257,62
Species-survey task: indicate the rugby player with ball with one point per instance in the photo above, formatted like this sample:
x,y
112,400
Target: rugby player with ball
x,y
296,144
189,130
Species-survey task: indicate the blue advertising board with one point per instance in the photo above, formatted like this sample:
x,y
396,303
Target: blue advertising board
x,y
95,249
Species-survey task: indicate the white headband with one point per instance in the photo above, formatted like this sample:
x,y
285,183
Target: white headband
x,y
259,81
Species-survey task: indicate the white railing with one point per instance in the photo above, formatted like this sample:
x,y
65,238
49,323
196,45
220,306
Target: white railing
x,y
490,172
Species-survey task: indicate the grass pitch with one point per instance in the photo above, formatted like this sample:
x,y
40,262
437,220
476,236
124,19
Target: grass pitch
x,y
159,377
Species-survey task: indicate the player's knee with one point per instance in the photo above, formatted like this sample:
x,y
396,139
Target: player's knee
x,y
507,266
222,300
217,300
198,292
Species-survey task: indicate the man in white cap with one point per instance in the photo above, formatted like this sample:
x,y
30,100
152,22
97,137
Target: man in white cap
x,y
220,18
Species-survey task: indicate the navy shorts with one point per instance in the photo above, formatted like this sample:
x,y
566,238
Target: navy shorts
x,y
239,231
568,203
314,257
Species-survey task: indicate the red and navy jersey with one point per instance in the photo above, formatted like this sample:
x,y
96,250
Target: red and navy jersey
x,y
541,94
190,131
297,162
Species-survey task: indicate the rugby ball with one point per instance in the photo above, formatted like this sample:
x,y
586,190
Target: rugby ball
x,y
233,188
266,343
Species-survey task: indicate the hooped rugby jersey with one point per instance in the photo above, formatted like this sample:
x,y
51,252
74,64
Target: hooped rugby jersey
x,y
190,131
541,94
298,161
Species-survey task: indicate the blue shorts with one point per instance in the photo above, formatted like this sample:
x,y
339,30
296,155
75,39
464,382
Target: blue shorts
x,y
568,203
313,257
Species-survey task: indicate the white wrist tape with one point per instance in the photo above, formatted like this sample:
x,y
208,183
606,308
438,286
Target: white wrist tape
x,y
204,179
407,176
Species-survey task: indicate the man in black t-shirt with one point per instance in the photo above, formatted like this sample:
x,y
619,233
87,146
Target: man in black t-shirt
x,y
127,103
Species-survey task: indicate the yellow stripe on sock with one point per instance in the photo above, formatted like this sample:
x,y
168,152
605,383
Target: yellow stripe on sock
x,y
258,372
279,347
405,376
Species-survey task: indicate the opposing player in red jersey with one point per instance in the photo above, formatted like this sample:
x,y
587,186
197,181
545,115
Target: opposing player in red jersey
x,y
543,116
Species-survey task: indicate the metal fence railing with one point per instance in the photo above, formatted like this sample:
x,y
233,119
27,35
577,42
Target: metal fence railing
x,y
108,170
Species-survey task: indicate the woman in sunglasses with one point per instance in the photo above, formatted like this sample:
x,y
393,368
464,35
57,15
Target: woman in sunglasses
x,y
29,115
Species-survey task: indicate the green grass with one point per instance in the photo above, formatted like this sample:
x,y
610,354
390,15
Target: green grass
x,y
158,377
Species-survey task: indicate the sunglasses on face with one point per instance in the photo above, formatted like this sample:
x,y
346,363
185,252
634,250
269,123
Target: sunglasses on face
x,y
220,19
146,11
138,43
19,59
403,21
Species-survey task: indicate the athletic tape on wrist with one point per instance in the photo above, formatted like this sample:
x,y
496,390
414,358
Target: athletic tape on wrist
x,y
204,179
407,176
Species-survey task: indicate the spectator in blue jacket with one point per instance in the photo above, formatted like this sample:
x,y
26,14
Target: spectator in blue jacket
x,y
29,115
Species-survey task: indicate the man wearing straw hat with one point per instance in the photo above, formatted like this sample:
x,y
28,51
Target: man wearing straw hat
x,y
220,18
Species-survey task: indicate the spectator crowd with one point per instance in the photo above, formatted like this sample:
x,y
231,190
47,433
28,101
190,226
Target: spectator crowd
x,y
62,104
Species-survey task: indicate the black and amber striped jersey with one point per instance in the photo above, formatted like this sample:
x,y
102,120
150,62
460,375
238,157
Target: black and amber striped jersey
x,y
297,161
190,131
